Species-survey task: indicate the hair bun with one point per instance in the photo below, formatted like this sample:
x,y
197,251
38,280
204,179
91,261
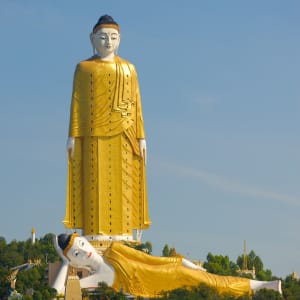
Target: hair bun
x,y
63,240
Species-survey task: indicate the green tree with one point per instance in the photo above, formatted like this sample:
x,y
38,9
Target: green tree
x,y
177,294
264,275
219,264
2,243
291,288
106,292
47,248
10,256
4,284
148,246
265,294
166,251
206,292
17,253
37,296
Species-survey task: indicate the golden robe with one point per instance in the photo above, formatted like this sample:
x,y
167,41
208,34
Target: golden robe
x,y
106,190
140,274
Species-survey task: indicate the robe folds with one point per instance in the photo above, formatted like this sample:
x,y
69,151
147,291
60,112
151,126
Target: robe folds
x,y
106,187
141,274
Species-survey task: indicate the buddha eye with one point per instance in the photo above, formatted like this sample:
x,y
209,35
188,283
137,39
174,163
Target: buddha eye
x,y
76,253
81,243
102,36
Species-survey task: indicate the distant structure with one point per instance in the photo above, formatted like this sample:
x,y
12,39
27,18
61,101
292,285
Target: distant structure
x,y
295,276
245,259
245,264
12,277
33,236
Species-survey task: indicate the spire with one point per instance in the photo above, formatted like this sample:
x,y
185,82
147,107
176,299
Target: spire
x,y
33,236
245,262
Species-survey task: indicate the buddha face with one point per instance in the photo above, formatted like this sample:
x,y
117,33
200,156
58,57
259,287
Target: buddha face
x,y
83,254
106,41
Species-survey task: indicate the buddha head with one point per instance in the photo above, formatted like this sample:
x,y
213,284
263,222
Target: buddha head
x,y
105,37
79,251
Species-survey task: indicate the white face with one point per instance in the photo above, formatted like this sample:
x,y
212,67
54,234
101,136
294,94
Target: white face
x,y
106,41
83,254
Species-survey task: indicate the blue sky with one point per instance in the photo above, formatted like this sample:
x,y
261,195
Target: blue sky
x,y
220,90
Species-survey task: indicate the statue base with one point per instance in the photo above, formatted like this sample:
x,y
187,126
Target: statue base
x,y
102,242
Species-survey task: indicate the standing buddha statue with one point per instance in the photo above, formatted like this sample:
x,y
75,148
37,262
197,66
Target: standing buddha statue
x,y
106,190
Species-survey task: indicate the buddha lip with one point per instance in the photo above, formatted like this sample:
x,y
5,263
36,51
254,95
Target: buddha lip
x,y
89,255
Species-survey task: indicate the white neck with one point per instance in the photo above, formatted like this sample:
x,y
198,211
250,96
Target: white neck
x,y
109,57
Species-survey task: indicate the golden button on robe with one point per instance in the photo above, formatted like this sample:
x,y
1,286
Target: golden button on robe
x,y
106,191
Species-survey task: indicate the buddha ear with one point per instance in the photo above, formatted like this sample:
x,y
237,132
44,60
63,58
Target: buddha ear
x,y
92,42
117,48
